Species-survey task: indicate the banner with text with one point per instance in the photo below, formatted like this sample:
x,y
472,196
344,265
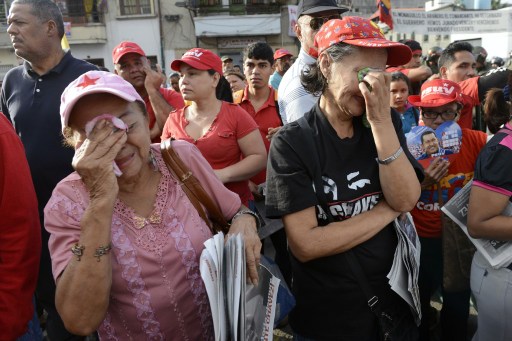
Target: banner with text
x,y
451,22
292,15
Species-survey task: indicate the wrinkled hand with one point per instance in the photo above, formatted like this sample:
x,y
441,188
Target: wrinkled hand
x,y
245,224
437,170
271,132
377,100
93,159
154,79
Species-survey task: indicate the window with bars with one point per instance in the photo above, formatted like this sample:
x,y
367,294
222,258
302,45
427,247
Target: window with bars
x,y
206,3
135,7
4,8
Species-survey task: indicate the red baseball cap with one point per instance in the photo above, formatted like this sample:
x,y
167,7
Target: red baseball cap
x,y
436,93
124,48
198,58
281,53
361,32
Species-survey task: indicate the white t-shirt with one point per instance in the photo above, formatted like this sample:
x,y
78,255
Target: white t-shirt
x,y
294,101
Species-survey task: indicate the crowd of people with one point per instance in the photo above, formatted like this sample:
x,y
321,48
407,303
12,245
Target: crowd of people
x,y
99,236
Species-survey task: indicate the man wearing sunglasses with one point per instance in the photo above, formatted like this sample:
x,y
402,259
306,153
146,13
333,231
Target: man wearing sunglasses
x,y
293,99
446,252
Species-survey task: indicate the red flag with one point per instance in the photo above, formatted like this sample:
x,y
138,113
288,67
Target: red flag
x,y
384,10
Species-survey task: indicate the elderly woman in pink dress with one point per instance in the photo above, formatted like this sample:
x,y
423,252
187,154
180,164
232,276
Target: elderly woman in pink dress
x,y
125,239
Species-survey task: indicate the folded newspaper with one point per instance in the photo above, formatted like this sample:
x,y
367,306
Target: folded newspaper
x,y
240,311
497,253
403,276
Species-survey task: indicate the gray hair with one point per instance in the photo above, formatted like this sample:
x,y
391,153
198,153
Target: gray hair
x,y
45,10
312,78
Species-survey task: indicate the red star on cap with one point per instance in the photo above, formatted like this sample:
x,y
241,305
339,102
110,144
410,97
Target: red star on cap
x,y
87,81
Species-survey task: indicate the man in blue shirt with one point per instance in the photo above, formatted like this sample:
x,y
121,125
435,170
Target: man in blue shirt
x,y
282,62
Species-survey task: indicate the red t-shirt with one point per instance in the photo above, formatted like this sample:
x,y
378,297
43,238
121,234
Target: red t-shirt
x,y
219,145
427,213
20,235
172,97
266,117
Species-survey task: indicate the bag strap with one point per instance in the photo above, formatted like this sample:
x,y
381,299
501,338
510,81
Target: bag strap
x,y
194,190
362,280
314,167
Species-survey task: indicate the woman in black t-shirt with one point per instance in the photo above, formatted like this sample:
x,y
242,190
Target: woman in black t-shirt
x,y
365,179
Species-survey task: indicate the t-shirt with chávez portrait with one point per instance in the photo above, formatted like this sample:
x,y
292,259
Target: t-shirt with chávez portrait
x,y
330,302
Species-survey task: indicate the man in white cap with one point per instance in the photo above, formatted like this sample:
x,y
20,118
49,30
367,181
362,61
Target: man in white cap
x,y
293,99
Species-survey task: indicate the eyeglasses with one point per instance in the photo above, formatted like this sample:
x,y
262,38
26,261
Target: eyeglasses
x,y
316,22
446,115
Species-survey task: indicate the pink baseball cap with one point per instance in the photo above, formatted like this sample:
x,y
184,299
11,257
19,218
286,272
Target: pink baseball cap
x,y
360,32
125,47
436,93
281,53
198,58
94,82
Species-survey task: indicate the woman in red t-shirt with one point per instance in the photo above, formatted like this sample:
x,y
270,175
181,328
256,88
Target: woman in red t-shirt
x,y
226,135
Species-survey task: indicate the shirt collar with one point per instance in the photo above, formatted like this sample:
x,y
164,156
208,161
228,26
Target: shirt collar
x,y
270,100
57,68
306,57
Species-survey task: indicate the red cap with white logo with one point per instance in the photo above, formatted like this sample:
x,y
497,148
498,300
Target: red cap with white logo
x,y
198,58
126,47
436,93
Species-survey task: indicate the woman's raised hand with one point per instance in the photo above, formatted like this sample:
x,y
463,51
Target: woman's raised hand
x,y
375,90
94,157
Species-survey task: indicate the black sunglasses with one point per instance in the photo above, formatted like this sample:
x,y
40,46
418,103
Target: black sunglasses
x,y
316,22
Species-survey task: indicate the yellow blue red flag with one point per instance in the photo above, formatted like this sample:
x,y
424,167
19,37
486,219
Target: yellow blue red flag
x,y
64,43
384,10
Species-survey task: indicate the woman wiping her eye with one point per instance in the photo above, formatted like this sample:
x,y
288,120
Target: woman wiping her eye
x,y
125,249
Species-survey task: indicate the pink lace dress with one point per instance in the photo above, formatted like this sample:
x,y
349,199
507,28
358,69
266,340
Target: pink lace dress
x,y
157,292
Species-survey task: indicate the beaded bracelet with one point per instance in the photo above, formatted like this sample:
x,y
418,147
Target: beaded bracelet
x,y
78,251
